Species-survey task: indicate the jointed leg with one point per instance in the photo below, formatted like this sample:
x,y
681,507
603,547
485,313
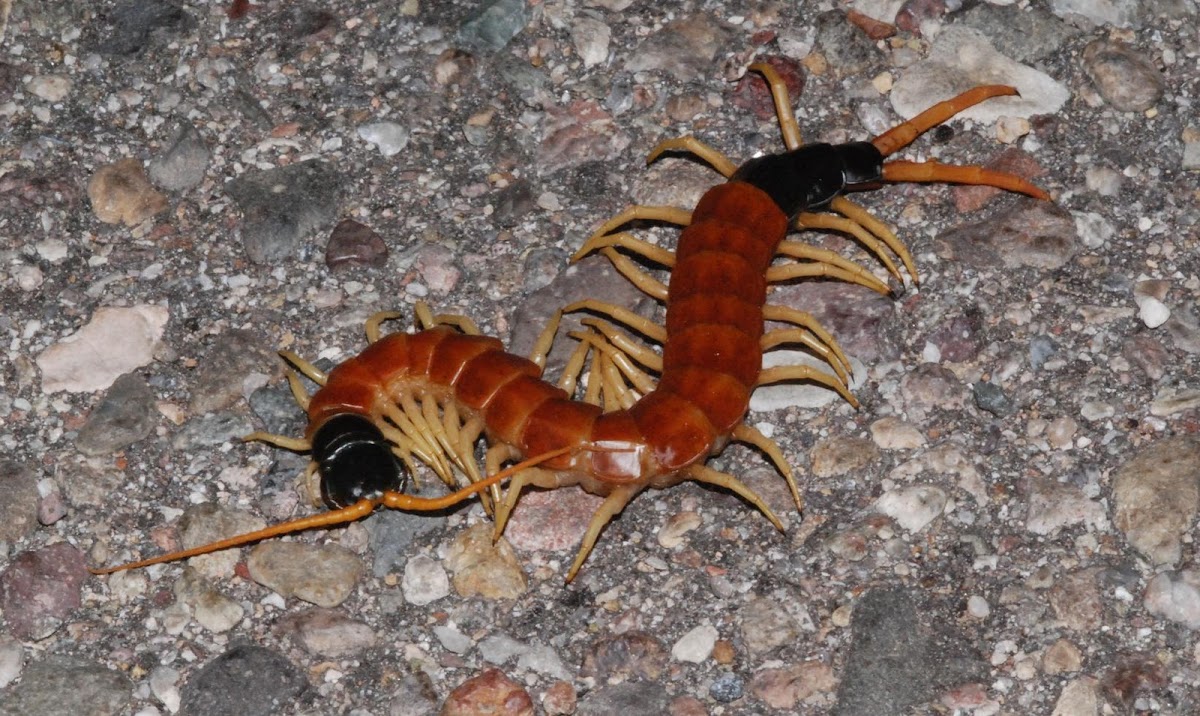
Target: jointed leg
x,y
624,316
797,249
783,104
309,370
804,336
668,214
778,374
649,285
751,436
611,507
702,473
625,240
786,272
373,323
690,144
863,218
626,345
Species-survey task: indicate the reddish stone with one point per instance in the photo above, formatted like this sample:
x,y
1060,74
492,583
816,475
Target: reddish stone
x,y
874,29
753,93
492,693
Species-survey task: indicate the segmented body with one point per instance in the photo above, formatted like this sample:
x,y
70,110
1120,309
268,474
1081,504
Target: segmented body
x,y
431,394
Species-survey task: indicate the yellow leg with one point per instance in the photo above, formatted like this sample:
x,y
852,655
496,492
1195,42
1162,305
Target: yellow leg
x,y
626,345
668,214
788,125
610,508
701,473
309,370
279,441
373,323
861,216
690,144
625,240
645,282
624,316
786,272
800,250
752,436
803,336
779,374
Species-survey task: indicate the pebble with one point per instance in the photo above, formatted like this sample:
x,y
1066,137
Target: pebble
x,y
765,626
425,581
12,658
208,522
991,398
1077,602
1127,80
591,39
842,455
452,639
1191,148
1172,403
1062,657
1175,596
726,688
684,49
1151,311
631,656
1078,698
114,342
932,658
580,133
1093,229
67,686
52,88
164,684
284,206
227,368
136,25
1156,496
493,25
324,575
352,244
122,194
40,588
482,568
672,533
913,507
559,699
1054,506
245,680
697,645
181,164
845,48
392,534
1030,234
753,93
18,509
211,430
327,632
859,317
490,692
551,520
963,57
640,698
390,138
124,416
783,688
978,607
435,264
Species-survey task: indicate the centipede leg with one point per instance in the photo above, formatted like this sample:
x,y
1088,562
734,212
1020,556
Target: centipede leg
x,y
788,125
691,145
496,456
786,272
752,436
864,218
573,370
797,249
372,325
625,240
640,353
309,370
624,316
632,375
668,214
646,283
801,335
610,508
703,473
545,341
280,441
779,374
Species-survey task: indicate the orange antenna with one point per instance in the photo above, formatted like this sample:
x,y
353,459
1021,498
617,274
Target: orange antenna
x,y
358,510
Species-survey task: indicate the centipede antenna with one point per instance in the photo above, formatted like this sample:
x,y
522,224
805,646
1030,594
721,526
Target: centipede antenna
x,y
905,171
902,135
358,510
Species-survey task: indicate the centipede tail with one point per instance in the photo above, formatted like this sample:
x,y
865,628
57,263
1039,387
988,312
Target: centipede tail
x,y
646,419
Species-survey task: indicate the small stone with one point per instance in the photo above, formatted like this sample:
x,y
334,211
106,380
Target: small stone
x,y
697,645
122,194
484,568
1062,657
452,639
425,580
182,164
978,607
559,699
354,244
208,522
726,688
842,455
892,433
765,626
914,507
784,688
633,655
1078,698
39,589
52,88
672,533
324,575
1127,80
491,692
1175,596
67,685
1077,602
114,342
11,657
1156,496
327,632
991,398
390,138
1152,311
164,684
246,680
591,38
125,415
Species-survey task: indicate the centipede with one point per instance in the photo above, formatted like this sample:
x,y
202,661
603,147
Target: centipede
x,y
622,417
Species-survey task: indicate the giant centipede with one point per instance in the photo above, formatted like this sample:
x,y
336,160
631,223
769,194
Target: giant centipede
x,y
430,395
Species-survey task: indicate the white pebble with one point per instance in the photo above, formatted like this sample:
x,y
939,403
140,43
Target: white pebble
x,y
390,137
425,580
697,645
1152,311
978,607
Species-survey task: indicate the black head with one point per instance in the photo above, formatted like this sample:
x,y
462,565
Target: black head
x,y
811,176
355,461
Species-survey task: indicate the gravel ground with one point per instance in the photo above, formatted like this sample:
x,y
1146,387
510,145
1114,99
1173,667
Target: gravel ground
x,y
1005,526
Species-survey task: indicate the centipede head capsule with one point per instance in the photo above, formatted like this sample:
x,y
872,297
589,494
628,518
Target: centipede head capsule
x,y
355,461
